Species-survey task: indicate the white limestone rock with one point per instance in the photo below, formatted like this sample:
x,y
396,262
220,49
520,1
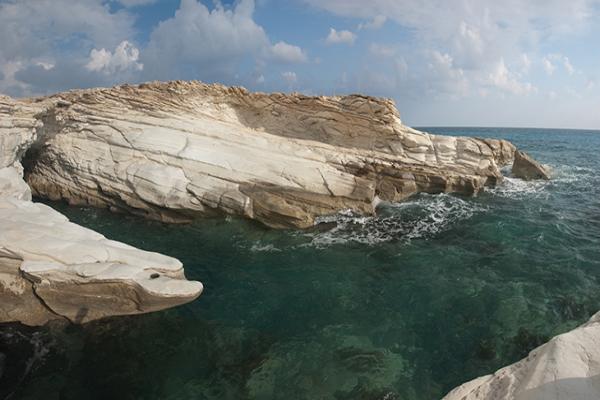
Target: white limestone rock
x,y
176,150
567,367
77,273
51,268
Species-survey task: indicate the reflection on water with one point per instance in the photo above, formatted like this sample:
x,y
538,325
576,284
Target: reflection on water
x,y
405,305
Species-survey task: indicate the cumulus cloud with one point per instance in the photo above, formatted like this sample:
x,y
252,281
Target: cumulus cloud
x,y
287,53
206,44
202,42
124,58
503,79
340,37
548,66
38,35
551,60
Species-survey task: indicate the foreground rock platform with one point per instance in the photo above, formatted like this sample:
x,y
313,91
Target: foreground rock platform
x,y
77,273
177,150
565,368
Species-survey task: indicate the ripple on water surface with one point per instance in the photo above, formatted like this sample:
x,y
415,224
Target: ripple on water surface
x,y
428,294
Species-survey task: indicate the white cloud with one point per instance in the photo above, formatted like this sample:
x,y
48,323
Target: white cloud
x,y
475,33
548,66
288,53
136,3
340,37
54,37
124,58
382,50
525,63
505,80
199,41
376,23
568,66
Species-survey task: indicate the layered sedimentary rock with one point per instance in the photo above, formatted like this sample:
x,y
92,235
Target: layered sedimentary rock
x,y
51,268
567,367
176,150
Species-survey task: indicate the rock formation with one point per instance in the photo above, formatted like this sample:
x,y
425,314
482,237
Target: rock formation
x,y
177,150
567,367
172,151
527,168
53,269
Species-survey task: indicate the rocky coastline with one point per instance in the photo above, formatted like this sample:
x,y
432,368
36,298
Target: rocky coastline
x,y
178,150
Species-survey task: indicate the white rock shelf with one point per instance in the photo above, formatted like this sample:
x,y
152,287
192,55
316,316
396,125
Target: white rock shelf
x,y
77,273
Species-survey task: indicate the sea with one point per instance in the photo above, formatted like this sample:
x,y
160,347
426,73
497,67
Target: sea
x,y
430,293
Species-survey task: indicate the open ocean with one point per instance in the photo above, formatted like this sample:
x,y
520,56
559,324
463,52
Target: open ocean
x,y
429,294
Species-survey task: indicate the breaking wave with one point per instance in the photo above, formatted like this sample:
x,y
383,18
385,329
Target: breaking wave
x,y
420,218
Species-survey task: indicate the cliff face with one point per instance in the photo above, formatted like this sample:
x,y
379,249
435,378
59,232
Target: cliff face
x,y
172,151
567,367
53,269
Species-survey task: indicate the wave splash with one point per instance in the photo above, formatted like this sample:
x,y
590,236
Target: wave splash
x,y
420,218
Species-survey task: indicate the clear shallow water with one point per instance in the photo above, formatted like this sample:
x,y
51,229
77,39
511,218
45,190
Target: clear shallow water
x,y
431,293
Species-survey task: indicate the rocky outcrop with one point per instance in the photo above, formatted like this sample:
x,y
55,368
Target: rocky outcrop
x,y
567,367
77,273
525,167
53,269
173,151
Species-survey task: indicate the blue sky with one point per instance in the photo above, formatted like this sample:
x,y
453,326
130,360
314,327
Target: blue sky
x,y
444,62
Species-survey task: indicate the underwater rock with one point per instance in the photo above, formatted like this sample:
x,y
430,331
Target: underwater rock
x,y
527,168
567,367
176,150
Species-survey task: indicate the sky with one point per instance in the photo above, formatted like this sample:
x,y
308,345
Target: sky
x,y
517,63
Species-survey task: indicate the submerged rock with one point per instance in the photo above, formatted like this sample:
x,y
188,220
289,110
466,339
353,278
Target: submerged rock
x,y
173,151
527,168
567,367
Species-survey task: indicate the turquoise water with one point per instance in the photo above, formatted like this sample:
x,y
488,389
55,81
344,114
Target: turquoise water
x,y
431,293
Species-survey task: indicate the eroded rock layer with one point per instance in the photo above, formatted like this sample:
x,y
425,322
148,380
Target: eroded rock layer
x,y
172,151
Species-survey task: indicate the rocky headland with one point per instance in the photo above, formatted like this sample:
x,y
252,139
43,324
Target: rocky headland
x,y
178,150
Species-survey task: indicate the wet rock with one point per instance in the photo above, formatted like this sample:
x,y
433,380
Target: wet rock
x,y
527,168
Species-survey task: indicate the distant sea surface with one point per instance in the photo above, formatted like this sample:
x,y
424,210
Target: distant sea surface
x,y
429,294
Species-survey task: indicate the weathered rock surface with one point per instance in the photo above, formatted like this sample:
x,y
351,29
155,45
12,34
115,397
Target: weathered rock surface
x,y
176,150
567,367
51,268
527,168
79,274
